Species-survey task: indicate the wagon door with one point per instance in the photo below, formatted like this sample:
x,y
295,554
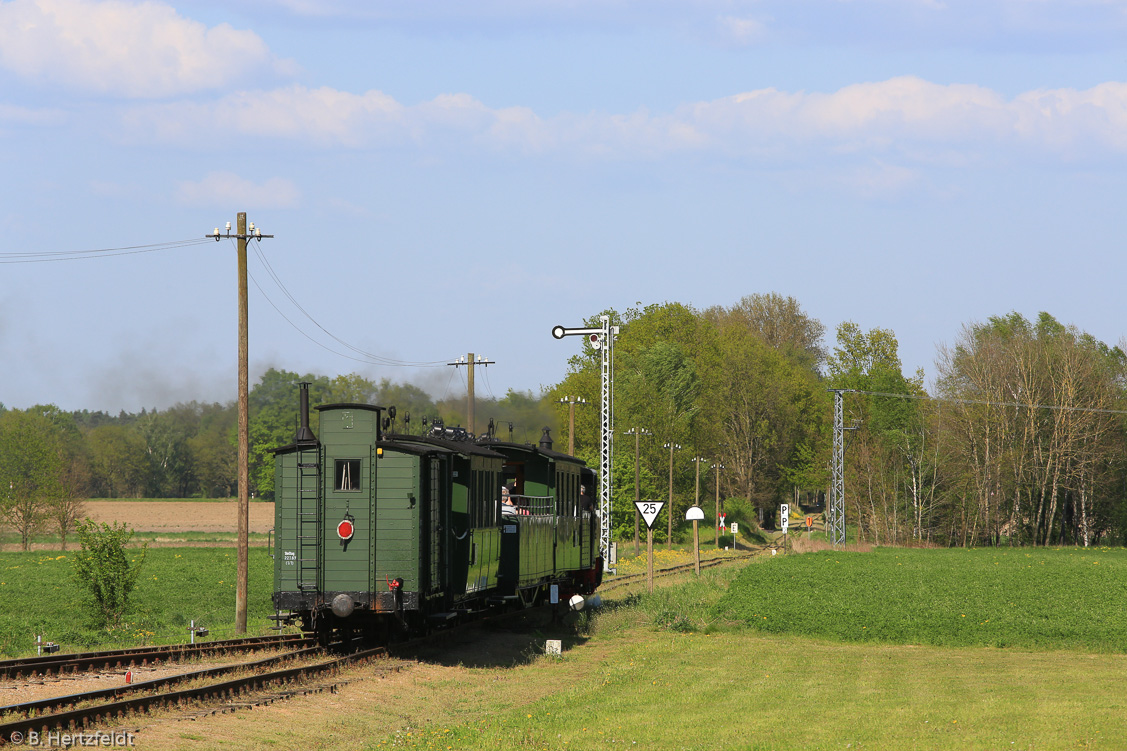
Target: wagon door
x,y
437,523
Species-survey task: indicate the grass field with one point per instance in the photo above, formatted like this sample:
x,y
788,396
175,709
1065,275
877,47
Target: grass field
x,y
892,649
164,538
668,671
1016,597
177,585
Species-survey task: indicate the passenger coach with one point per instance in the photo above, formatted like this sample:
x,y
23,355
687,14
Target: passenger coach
x,y
385,534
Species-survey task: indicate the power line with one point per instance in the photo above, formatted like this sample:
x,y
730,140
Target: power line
x,y
99,253
489,386
471,363
83,255
365,356
299,330
986,403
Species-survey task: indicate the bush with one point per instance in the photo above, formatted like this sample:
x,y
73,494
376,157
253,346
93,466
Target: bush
x,y
104,568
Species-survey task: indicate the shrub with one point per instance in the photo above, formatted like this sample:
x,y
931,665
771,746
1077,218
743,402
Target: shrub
x,y
104,568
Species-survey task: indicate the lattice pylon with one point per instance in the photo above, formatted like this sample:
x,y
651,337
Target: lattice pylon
x,y
837,482
606,441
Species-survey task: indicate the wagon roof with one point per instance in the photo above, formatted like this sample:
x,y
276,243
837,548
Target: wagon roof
x,y
349,405
503,446
412,447
460,447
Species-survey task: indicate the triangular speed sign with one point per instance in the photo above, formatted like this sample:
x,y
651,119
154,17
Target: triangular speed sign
x,y
649,511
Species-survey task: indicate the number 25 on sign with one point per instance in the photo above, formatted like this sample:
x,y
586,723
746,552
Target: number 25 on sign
x,y
649,511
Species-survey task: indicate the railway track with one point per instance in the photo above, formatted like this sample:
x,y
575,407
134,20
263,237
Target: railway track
x,y
59,664
78,712
622,581
82,711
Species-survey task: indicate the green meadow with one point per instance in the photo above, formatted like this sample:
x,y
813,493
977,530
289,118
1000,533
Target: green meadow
x,y
914,649
1031,598
38,595
890,649
695,665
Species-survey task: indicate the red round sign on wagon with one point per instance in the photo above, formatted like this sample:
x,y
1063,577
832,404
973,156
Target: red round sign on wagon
x,y
345,530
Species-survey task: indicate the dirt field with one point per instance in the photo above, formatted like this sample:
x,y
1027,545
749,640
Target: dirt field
x,y
181,516
173,519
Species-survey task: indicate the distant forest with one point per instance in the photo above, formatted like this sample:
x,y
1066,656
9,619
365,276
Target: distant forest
x,y
52,459
1020,441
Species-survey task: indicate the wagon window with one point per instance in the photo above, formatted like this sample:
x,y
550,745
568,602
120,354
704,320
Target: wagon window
x,y
348,474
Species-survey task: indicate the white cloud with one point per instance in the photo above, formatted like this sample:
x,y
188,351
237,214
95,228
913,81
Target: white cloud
x,y
323,116
1071,120
867,115
140,50
907,118
222,189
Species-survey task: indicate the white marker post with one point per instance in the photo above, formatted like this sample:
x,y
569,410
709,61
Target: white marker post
x,y
649,511
695,514
784,514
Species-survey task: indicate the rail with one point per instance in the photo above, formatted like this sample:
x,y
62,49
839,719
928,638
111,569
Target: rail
x,y
59,663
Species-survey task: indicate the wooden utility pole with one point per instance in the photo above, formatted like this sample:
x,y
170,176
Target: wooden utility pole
x,y
650,558
696,493
241,235
717,466
669,539
244,435
571,401
470,362
637,433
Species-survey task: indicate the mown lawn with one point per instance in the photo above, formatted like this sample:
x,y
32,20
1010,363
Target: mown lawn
x,y
177,585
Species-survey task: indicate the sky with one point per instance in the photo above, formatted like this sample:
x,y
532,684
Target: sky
x,y
447,177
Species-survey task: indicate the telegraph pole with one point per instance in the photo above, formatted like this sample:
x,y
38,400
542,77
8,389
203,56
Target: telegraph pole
x,y
669,539
717,466
637,433
241,236
696,497
470,362
571,401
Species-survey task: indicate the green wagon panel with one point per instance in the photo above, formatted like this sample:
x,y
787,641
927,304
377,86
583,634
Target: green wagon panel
x,y
347,478
297,519
285,523
396,551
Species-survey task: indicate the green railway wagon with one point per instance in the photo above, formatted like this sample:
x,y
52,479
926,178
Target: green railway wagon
x,y
550,533
380,533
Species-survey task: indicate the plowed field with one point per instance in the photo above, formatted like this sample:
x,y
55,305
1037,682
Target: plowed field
x,y
174,517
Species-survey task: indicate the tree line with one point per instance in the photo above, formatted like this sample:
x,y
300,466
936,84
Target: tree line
x,y
52,460
1021,440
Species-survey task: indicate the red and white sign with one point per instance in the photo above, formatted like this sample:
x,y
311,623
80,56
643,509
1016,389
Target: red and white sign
x,y
345,530
723,516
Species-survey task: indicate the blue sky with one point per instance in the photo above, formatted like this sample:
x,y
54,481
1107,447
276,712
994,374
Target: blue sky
x,y
446,177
